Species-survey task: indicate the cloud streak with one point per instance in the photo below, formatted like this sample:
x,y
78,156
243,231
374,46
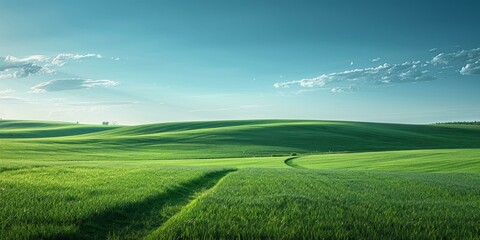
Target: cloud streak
x,y
466,61
383,74
343,89
13,67
471,68
70,84
61,59
469,60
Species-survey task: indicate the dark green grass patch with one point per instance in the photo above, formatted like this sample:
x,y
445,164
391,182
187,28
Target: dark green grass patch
x,y
95,202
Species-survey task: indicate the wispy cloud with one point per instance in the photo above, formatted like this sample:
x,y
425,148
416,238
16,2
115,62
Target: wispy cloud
x,y
471,68
466,61
70,84
469,60
61,59
462,56
433,49
302,91
13,67
350,88
383,74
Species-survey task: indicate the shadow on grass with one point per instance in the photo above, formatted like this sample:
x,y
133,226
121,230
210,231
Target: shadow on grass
x,y
136,220
289,162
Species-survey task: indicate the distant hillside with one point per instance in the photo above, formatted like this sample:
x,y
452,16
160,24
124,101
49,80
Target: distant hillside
x,y
228,138
463,123
37,129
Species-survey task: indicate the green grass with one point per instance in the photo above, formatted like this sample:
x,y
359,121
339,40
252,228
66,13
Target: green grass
x,y
32,129
228,139
94,201
306,204
445,160
237,179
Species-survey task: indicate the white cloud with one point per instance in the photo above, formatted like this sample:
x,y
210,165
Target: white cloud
x,y
12,67
70,84
462,56
383,74
433,49
61,59
468,59
376,59
351,63
32,58
302,91
471,68
343,89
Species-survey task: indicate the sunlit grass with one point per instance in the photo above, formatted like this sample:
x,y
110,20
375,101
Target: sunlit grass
x,y
230,179
440,160
312,204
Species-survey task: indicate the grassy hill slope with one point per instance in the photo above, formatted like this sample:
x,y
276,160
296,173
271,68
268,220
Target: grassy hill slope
x,y
218,139
37,129
199,180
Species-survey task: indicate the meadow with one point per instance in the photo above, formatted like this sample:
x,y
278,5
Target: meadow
x,y
269,179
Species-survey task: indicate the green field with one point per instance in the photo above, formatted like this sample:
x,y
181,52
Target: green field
x,y
238,179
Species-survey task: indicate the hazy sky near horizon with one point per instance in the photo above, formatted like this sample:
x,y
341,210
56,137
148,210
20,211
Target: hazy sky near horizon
x,y
136,62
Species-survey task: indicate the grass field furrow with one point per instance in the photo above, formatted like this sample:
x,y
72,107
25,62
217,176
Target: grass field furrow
x,y
69,201
137,219
187,207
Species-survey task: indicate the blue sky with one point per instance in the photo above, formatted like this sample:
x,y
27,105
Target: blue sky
x,y
136,62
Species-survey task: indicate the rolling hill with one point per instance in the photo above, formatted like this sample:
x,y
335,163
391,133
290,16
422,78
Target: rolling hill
x,y
219,139
238,179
